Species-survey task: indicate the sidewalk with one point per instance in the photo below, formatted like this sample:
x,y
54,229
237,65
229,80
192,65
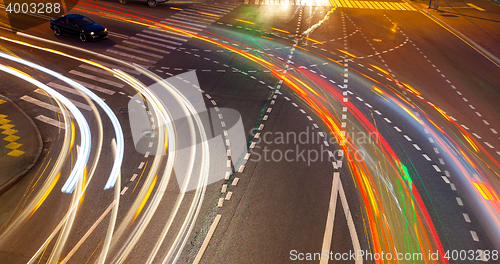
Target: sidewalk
x,y
477,21
20,144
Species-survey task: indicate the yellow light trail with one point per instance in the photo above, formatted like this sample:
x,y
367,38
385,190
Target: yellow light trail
x,y
244,21
280,30
313,40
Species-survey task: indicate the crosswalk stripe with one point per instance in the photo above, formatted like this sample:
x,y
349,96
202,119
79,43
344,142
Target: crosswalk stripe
x,y
192,16
399,6
378,5
410,7
128,70
160,39
95,87
95,78
190,20
173,32
151,43
208,10
220,7
395,5
76,92
180,25
165,35
184,22
50,121
369,4
66,89
364,4
138,51
126,55
45,105
94,69
146,47
76,103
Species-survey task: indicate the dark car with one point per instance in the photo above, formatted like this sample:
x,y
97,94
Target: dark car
x,y
151,3
78,25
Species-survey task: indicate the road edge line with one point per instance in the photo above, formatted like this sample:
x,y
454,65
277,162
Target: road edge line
x,y
488,55
207,239
10,183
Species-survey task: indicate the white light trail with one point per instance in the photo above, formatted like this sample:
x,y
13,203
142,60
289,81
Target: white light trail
x,y
72,180
85,137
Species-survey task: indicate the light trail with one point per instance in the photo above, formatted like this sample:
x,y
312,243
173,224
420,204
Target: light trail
x,y
118,160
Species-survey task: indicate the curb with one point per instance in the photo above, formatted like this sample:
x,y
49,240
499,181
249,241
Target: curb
x,y
9,184
495,60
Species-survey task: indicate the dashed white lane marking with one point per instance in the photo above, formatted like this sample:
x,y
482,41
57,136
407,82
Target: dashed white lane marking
x,y
124,190
474,235
459,201
133,177
466,217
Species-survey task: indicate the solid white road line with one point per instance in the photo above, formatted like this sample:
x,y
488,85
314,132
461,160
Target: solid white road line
x,y
94,226
207,239
338,189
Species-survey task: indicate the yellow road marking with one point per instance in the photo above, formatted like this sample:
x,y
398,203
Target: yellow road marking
x,y
400,6
6,126
355,4
387,6
11,138
369,4
15,153
9,132
475,6
4,121
13,145
379,5
2,101
364,4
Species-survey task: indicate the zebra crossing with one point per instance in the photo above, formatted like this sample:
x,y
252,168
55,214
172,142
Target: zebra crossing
x,y
380,5
145,48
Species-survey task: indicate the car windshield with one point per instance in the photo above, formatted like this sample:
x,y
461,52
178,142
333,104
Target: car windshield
x,y
82,21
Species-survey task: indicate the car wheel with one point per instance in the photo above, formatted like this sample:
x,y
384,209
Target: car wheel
x,y
57,31
152,3
83,37
123,2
